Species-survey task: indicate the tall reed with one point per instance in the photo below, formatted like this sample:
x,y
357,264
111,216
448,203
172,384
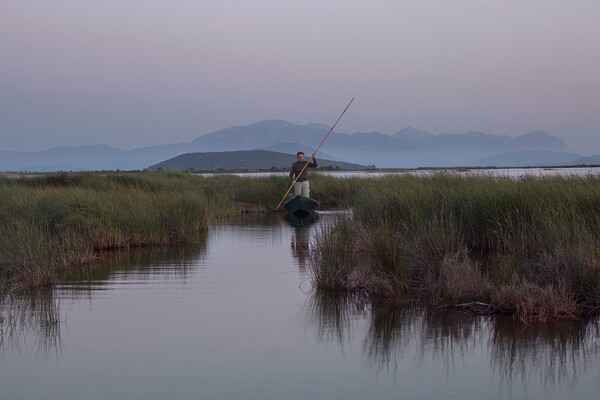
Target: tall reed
x,y
528,246
53,223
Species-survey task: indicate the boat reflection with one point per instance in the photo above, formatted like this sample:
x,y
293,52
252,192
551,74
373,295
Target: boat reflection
x,y
305,221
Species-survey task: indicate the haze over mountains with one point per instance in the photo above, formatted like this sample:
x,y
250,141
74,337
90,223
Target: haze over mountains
x,y
407,148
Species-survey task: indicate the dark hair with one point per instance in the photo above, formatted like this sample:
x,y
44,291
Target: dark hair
x,y
298,153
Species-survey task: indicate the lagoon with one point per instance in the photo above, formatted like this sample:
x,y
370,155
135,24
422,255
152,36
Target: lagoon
x,y
234,317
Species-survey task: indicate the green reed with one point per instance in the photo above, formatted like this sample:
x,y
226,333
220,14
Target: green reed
x,y
59,222
528,246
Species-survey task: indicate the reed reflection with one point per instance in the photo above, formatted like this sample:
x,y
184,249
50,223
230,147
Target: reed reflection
x,y
333,313
144,264
33,319
555,353
37,314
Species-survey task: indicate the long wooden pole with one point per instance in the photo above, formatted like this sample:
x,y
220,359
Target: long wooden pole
x,y
311,157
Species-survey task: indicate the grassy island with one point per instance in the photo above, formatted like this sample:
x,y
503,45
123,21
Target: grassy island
x,y
530,247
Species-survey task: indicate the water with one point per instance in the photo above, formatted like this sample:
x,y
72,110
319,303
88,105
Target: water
x,y
509,173
233,317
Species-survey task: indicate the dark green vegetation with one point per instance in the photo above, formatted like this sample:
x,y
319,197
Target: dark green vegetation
x,y
530,247
58,223
241,160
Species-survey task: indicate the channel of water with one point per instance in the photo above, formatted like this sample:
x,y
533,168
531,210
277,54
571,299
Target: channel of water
x,y
234,317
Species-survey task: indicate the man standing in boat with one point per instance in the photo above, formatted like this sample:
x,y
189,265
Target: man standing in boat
x,y
299,171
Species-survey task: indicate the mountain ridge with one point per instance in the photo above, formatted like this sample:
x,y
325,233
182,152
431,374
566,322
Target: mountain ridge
x,y
407,148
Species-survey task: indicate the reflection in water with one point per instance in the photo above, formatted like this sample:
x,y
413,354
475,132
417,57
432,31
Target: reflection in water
x,y
556,353
37,316
300,240
300,247
333,314
302,222
140,264
221,321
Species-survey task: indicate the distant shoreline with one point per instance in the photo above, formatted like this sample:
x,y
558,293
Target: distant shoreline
x,y
11,174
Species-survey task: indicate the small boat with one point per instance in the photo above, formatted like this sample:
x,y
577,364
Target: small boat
x,y
301,222
300,206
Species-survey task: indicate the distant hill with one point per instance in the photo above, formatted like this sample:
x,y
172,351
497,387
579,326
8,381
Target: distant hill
x,y
242,160
528,159
293,148
591,160
408,148
259,135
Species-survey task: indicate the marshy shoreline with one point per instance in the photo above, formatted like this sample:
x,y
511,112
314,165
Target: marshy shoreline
x,y
527,247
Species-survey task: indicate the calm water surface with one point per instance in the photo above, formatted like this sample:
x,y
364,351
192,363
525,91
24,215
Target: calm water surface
x,y
233,317
511,173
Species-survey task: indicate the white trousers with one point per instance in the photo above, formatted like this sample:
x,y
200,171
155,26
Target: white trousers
x,y
302,188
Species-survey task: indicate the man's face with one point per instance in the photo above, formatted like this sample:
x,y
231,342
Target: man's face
x,y
300,157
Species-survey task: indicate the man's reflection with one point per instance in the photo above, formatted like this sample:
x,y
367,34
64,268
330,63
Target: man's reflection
x,y
300,244
300,247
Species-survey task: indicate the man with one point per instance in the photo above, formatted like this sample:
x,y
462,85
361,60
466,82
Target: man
x,y
302,186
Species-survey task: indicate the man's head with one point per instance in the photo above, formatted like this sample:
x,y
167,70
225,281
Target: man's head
x,y
300,156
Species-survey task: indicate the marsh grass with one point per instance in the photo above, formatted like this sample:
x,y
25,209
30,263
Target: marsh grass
x,y
63,221
58,222
334,192
335,248
529,247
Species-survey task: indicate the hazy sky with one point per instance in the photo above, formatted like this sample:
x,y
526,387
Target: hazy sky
x,y
137,73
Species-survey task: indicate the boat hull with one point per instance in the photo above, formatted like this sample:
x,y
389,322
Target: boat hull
x,y
301,206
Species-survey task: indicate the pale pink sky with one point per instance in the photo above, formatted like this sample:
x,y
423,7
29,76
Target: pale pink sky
x,y
136,73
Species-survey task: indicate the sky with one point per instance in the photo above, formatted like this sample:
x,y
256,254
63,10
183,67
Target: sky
x,y
138,73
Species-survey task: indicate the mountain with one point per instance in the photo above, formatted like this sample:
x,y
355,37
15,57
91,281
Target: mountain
x,y
412,136
293,148
591,160
259,135
242,160
62,159
528,159
539,140
409,147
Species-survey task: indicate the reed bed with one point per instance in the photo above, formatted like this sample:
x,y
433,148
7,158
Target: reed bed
x,y
60,222
334,193
530,247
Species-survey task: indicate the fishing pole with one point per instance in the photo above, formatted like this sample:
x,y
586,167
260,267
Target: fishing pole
x,y
311,157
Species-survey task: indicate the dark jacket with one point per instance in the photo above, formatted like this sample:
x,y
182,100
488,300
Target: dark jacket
x,y
297,167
